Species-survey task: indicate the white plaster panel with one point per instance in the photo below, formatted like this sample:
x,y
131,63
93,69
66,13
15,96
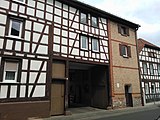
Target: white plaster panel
x,y
14,7
28,25
64,33
29,90
75,25
9,44
22,91
49,16
30,11
56,48
33,47
3,91
32,77
42,49
1,43
26,47
65,7
39,91
31,3
38,27
75,51
72,35
49,8
4,4
18,46
57,11
76,19
76,44
40,5
35,65
46,29
56,39
57,31
65,22
24,64
3,19
2,31
27,35
13,92
103,56
44,66
71,16
58,4
64,49
42,78
21,9
72,10
23,77
44,39
36,37
71,42
65,14
64,41
57,19
39,14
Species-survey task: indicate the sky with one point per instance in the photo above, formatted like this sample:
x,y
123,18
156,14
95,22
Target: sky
x,y
146,13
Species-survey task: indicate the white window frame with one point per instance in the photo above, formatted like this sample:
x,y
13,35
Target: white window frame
x,y
6,69
94,23
81,18
145,69
97,42
86,42
158,68
151,68
126,51
20,30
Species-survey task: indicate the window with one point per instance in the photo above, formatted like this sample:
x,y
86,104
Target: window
x,y
94,22
123,30
95,45
125,50
84,42
158,69
151,69
153,88
152,54
145,68
83,18
10,71
15,28
146,88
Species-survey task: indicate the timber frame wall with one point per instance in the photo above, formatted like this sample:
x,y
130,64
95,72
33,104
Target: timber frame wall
x,y
50,30
149,56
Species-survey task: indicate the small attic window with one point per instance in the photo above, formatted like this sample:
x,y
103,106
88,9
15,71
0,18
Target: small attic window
x,y
123,30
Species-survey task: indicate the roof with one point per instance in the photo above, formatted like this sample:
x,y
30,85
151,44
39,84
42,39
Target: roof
x,y
143,43
96,11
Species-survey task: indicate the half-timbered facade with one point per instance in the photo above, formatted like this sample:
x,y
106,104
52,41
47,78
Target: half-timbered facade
x,y
56,54
149,58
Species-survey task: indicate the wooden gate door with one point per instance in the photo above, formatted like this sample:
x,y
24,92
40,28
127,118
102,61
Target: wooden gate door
x,y
57,98
128,95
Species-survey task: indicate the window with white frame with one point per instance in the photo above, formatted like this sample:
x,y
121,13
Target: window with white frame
x,y
151,68
10,72
84,42
125,50
95,45
145,68
94,21
146,88
83,18
15,28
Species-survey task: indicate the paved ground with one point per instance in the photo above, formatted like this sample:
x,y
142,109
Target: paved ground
x,y
135,113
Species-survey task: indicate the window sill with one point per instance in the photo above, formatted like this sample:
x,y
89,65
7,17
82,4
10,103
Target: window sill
x,y
14,37
9,82
84,49
94,51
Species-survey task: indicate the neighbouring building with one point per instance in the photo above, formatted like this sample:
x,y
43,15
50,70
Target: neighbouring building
x,y
149,58
56,54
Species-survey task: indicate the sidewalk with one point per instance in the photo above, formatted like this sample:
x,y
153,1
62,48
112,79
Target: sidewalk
x,y
93,113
